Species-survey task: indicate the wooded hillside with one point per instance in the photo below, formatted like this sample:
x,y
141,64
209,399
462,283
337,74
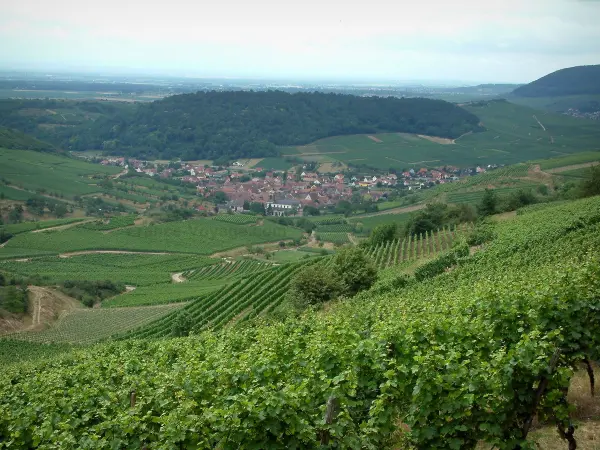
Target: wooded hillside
x,y
571,81
209,125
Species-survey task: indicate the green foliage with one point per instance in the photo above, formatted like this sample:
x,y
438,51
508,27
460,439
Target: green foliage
x,y
383,233
239,219
482,233
16,140
355,270
110,224
13,299
591,186
489,203
90,292
314,285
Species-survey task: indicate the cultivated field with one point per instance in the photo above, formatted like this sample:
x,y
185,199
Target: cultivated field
x,y
513,135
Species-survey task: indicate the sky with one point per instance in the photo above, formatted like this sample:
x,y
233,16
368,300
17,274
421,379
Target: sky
x,y
513,41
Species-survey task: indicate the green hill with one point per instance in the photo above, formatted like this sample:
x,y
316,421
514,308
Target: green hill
x,y
16,140
208,125
512,134
580,80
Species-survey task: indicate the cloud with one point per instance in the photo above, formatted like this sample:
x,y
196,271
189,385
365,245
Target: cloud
x,y
468,39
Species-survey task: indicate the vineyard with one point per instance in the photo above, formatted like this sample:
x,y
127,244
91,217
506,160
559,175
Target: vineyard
x,y
158,294
237,301
238,219
200,236
415,247
229,269
85,326
461,360
336,238
133,269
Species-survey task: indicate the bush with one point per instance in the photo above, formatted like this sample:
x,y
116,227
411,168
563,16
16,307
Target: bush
x,y
356,270
314,285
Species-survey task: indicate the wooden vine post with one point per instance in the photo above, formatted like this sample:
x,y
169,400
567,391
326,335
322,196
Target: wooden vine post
x,y
330,413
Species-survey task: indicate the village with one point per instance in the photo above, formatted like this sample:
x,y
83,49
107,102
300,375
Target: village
x,y
236,187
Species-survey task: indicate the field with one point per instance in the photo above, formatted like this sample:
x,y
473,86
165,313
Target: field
x,y
368,223
50,173
200,236
274,164
443,362
336,238
512,136
85,326
131,269
570,160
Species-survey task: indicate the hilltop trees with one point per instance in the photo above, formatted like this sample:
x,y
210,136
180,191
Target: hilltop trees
x,y
226,125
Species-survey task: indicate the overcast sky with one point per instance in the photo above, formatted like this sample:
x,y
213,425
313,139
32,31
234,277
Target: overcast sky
x,y
479,41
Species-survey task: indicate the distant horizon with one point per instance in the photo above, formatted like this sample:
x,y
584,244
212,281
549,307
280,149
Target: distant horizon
x,y
430,41
366,81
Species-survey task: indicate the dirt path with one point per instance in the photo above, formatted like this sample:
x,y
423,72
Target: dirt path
x,y
120,174
373,138
572,167
352,239
116,252
177,277
46,306
63,227
400,210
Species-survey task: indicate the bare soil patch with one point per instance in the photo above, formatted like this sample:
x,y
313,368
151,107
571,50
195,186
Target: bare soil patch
x,y
373,138
177,277
46,305
240,251
437,140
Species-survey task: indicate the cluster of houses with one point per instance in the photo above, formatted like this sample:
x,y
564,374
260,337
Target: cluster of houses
x,y
288,192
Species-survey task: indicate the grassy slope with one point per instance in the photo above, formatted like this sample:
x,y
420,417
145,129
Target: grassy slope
x,y
513,136
199,236
64,176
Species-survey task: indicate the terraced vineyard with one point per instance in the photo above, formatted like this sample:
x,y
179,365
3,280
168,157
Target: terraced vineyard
x,y
237,269
336,228
476,196
238,219
134,269
236,301
85,326
415,247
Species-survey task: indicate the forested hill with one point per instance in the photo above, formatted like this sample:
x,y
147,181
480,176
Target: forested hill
x,y
208,125
15,139
580,80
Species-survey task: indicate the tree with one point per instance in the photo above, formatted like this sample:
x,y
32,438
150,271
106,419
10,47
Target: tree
x,y
313,285
16,214
384,233
488,203
60,210
311,211
356,270
220,197
591,186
